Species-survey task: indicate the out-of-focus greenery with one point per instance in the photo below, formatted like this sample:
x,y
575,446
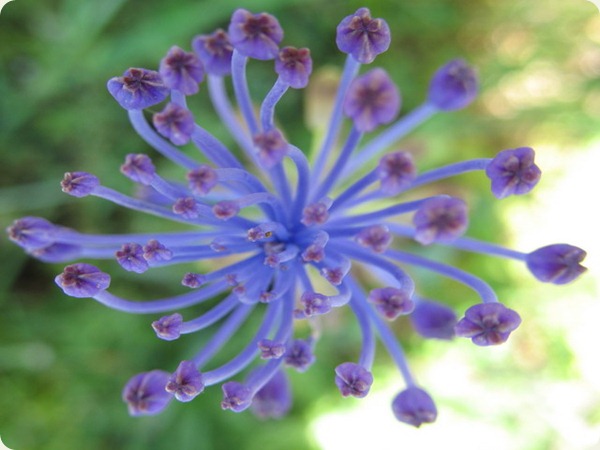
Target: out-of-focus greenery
x,y
63,361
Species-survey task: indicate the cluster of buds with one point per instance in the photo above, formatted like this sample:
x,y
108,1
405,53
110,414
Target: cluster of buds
x,y
269,230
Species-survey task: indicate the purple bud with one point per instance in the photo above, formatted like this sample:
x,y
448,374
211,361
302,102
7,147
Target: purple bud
x,y
225,209
272,147
314,252
56,253
414,406
294,66
145,393
362,36
299,355
396,171
453,86
214,50
315,214
255,35
155,252
488,323
181,71
236,396
79,184
270,349
377,237
372,100
139,168
513,172
202,179
175,123
193,280
557,263
274,399
391,302
131,258
440,220
138,88
186,383
353,379
32,232
315,304
335,275
433,320
186,207
82,280
168,328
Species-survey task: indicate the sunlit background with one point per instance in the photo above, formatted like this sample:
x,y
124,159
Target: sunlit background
x,y
63,361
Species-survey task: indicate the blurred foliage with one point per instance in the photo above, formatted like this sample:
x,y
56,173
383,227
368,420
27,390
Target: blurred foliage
x,y
63,361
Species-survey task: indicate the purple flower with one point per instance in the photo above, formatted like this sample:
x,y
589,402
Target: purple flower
x,y
294,66
32,232
414,406
433,320
372,100
131,258
377,238
181,71
558,263
138,168
186,383
168,327
353,379
175,123
513,172
215,51
362,36
79,184
145,393
138,88
272,147
236,396
299,355
440,220
255,35
488,323
82,280
202,179
396,171
274,399
453,86
263,226
391,302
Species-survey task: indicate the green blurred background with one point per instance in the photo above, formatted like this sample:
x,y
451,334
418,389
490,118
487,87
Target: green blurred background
x,y
63,361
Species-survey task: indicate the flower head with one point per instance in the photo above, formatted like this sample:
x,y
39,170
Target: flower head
x,y
488,323
265,226
138,88
145,393
362,36
414,406
255,35
453,86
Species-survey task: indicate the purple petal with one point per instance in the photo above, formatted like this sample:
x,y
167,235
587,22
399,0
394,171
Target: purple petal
x,y
82,280
145,393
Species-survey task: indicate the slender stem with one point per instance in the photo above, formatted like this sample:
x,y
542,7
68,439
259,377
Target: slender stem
x,y
267,109
161,305
220,101
214,149
387,337
391,135
350,70
245,357
329,182
220,338
367,353
242,94
483,289
211,316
